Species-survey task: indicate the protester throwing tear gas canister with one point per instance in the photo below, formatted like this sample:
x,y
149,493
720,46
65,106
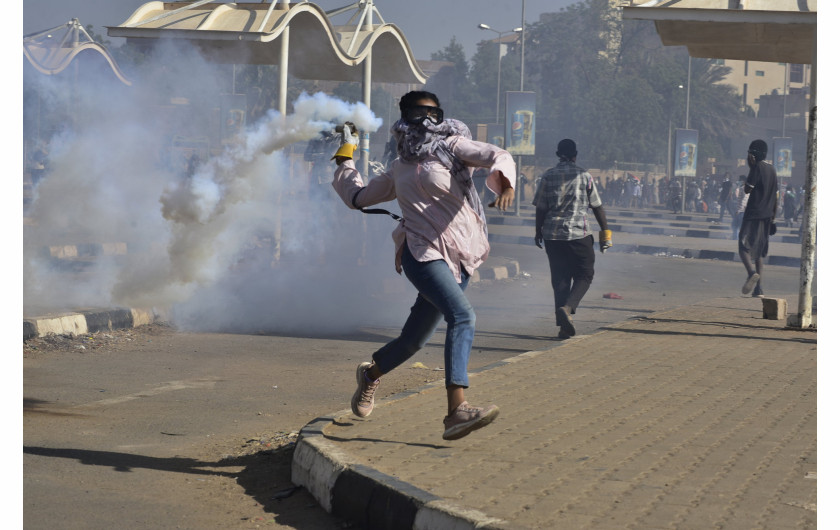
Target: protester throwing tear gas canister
x,y
440,242
565,194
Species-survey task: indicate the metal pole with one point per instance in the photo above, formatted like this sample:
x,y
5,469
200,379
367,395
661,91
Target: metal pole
x,y
521,89
784,99
522,51
283,70
688,92
499,78
802,318
669,170
368,67
282,91
687,102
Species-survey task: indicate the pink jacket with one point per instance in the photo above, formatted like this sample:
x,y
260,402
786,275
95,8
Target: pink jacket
x,y
438,223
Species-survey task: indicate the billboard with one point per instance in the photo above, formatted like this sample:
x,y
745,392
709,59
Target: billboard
x,y
783,156
520,110
496,134
685,153
232,112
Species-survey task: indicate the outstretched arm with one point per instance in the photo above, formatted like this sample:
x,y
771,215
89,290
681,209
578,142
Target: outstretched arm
x,y
350,187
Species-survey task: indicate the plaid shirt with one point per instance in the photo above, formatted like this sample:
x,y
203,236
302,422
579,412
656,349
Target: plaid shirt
x,y
566,191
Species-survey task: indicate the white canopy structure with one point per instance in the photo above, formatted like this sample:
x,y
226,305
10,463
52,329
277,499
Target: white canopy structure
x,y
752,30
299,38
249,33
53,50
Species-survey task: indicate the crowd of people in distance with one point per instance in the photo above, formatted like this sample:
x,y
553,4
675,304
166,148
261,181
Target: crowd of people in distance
x,y
712,195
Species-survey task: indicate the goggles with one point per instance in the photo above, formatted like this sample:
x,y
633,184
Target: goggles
x,y
416,115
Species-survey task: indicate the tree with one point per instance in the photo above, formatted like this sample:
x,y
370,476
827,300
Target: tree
x,y
452,84
613,86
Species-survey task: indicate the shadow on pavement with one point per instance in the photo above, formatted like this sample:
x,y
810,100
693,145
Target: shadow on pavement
x,y
718,335
265,476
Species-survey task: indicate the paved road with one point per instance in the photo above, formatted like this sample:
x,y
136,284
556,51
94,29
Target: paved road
x,y
136,437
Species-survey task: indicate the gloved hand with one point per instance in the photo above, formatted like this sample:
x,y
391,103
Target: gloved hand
x,y
605,239
538,239
773,227
349,141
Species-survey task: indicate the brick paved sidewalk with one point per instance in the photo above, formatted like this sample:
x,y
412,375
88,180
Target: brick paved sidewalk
x,y
700,417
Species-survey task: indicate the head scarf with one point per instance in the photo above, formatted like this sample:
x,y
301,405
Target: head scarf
x,y
417,142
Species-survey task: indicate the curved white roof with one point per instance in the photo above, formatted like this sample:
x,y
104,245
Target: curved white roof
x,y
53,50
247,33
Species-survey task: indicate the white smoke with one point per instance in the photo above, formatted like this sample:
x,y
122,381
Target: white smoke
x,y
249,241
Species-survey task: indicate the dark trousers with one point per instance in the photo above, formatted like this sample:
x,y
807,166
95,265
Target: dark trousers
x,y
572,265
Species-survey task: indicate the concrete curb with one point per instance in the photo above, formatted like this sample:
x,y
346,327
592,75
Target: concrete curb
x,y
85,250
349,489
82,322
645,227
722,255
89,322
497,272
372,499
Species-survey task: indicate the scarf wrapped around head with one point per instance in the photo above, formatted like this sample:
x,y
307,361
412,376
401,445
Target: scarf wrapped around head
x,y
417,142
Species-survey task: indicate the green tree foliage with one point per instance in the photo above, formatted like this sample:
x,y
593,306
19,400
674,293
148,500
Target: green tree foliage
x,y
609,84
487,73
452,84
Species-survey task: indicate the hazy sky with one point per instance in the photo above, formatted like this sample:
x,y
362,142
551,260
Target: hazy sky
x,y
428,25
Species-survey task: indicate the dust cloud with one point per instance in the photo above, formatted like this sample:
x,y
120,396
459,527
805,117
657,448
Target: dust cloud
x,y
246,240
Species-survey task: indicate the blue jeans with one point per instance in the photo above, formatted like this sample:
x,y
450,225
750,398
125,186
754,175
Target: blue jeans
x,y
439,297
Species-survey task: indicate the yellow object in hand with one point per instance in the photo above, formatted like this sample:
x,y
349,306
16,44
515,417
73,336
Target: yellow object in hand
x,y
605,239
346,151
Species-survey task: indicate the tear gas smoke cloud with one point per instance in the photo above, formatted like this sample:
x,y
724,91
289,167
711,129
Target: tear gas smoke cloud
x,y
248,241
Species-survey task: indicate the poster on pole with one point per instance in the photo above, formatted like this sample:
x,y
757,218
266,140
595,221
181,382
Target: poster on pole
x,y
520,110
232,110
496,134
685,153
783,156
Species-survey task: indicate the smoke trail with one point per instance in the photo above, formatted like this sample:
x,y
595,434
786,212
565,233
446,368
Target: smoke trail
x,y
248,241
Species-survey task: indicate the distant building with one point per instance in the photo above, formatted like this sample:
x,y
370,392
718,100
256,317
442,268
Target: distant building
x,y
779,104
755,79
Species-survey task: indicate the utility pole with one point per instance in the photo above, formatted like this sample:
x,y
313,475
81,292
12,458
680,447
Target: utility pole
x,y
518,190
803,316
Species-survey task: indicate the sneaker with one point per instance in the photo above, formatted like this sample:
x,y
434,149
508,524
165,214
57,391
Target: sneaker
x,y
362,402
749,285
565,322
466,419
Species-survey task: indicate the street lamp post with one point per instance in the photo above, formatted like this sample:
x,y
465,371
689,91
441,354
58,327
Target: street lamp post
x,y
518,200
499,74
522,50
687,94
